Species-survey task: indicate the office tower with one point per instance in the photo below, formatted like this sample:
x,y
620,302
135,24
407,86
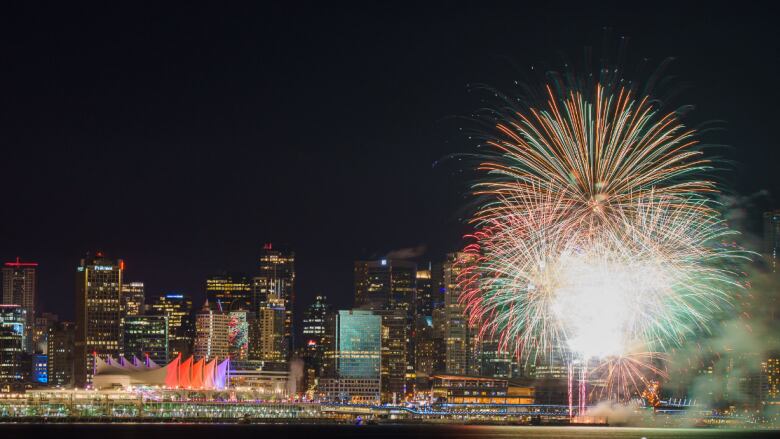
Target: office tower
x,y
13,321
267,340
133,298
61,354
177,308
424,346
352,364
455,324
425,297
394,359
275,282
772,239
98,313
40,337
238,335
212,333
385,284
20,288
314,335
147,336
229,291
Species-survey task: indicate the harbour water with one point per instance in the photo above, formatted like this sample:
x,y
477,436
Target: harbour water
x,y
279,431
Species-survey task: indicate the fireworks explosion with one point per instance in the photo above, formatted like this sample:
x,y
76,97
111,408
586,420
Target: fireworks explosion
x,y
596,237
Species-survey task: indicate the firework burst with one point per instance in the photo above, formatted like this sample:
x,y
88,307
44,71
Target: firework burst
x,y
596,231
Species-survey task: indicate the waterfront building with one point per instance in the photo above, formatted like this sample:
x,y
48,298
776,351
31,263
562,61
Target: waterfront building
x,y
98,313
39,373
454,322
212,333
133,298
352,363
147,336
177,308
274,286
20,288
61,354
460,389
269,380
201,374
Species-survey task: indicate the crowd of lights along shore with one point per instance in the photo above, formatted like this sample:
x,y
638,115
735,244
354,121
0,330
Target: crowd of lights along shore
x,y
597,238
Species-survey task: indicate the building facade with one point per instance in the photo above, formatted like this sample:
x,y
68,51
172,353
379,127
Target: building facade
x,y
133,298
61,354
212,334
99,328
274,286
20,288
146,336
13,320
352,369
177,308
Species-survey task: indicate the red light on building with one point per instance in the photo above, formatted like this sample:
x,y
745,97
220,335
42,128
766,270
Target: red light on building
x,y
19,263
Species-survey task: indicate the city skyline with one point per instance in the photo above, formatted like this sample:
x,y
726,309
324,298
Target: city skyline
x,y
203,190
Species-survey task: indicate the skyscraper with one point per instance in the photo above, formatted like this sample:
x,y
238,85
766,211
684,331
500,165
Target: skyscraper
x,y
147,335
385,284
13,320
424,289
229,291
98,313
177,308
352,366
20,288
314,338
212,334
772,239
61,353
455,324
133,298
275,282
267,340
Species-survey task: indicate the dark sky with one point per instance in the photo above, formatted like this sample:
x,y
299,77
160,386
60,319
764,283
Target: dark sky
x,y
181,138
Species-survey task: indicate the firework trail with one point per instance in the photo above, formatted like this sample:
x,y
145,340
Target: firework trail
x,y
596,235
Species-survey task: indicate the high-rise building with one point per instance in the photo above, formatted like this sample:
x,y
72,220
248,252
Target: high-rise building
x,y
212,334
20,288
385,284
13,321
352,369
772,239
147,336
424,346
455,324
229,291
267,339
43,322
314,337
425,297
275,282
177,308
133,298
98,313
394,362
61,354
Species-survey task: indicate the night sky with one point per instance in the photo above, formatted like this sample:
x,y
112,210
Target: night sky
x,y
182,138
